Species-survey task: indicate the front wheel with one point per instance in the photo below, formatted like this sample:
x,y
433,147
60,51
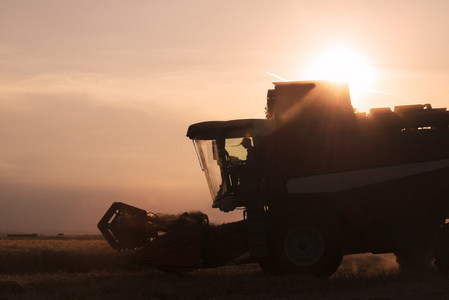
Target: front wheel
x,y
307,242
304,245
414,259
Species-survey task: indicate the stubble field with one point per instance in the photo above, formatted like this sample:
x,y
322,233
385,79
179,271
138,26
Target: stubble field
x,y
84,267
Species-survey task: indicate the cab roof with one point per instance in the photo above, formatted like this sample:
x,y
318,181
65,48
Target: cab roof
x,y
208,130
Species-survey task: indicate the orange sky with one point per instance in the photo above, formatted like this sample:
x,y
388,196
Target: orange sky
x,y
96,96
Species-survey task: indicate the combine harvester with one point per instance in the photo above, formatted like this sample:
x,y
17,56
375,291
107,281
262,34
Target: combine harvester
x,y
316,181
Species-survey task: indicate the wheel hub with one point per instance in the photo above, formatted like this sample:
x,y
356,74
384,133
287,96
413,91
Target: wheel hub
x,y
304,245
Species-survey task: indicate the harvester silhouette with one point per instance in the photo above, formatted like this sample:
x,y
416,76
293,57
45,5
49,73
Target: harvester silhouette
x,y
324,181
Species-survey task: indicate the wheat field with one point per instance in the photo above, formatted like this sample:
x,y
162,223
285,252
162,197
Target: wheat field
x,y
85,267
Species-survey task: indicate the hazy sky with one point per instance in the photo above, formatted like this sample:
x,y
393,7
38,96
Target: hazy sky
x,y
96,96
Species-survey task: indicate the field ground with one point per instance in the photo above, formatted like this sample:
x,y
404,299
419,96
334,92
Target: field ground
x,y
84,268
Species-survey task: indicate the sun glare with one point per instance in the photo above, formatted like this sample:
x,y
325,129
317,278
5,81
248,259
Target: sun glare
x,y
342,64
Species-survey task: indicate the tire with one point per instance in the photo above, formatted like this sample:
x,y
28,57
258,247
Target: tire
x,y
306,241
414,259
441,251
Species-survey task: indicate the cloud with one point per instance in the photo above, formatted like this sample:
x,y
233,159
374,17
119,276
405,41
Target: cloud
x,y
9,168
70,137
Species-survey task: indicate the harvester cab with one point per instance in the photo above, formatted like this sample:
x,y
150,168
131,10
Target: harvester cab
x,y
316,180
230,154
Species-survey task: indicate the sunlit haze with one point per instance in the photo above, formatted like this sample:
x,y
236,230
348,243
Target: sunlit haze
x,y
342,64
96,96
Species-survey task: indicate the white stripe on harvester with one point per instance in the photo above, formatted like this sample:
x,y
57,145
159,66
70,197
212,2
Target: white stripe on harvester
x,y
334,182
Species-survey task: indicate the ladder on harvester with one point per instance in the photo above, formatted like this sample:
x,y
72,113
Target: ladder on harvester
x,y
257,229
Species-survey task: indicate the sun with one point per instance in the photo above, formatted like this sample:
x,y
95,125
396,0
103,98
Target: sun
x,y
342,64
